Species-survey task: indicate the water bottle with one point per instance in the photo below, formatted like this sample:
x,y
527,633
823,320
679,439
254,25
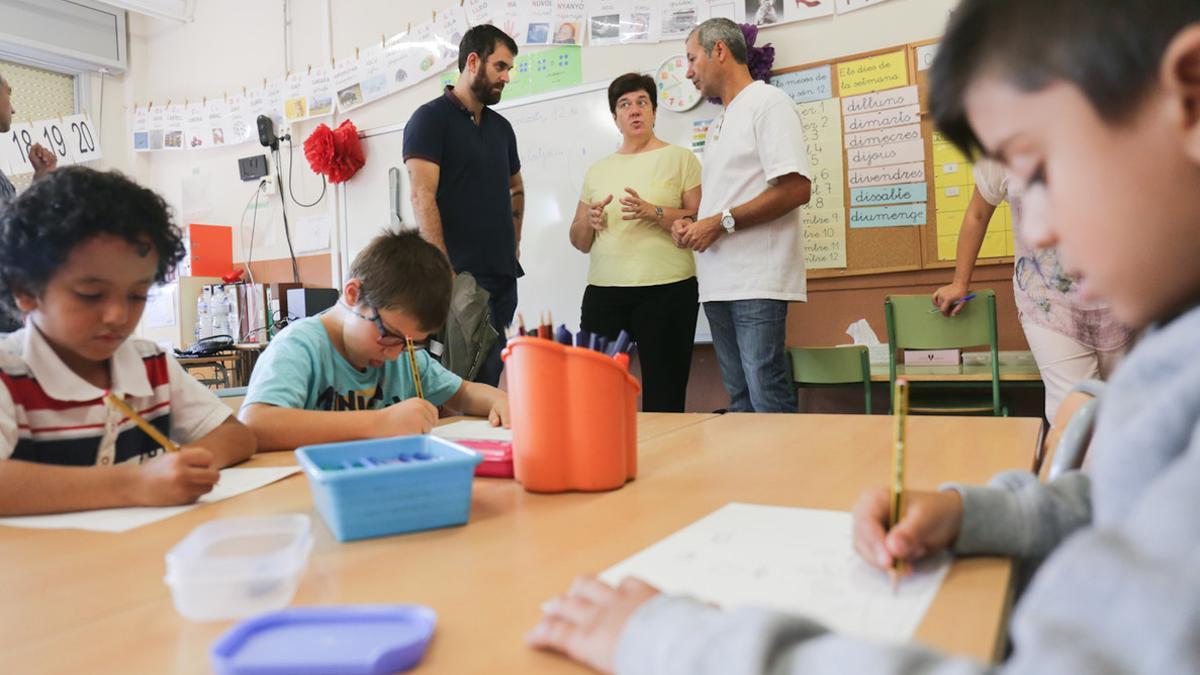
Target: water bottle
x,y
232,321
219,308
203,322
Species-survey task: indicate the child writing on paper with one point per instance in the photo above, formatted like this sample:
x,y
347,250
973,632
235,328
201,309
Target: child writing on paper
x,y
78,252
338,376
1094,105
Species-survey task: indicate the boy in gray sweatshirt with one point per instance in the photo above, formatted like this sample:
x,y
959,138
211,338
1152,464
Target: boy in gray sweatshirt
x,y
1094,106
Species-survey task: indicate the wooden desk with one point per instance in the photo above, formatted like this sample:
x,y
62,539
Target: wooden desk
x,y
1024,373
93,602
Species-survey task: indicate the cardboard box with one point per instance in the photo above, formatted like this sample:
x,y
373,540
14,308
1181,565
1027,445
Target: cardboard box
x,y
931,357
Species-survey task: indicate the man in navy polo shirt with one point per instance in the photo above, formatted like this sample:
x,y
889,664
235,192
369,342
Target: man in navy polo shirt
x,y
466,177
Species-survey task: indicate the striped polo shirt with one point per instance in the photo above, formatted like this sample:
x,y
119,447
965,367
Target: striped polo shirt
x,y
48,414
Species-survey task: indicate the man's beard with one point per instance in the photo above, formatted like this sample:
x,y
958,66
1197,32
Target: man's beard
x,y
485,91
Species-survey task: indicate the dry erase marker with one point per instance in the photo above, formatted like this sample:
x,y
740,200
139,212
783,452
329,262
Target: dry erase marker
x,y
137,419
583,339
961,301
563,336
896,493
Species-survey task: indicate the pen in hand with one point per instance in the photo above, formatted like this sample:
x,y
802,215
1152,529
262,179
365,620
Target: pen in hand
x,y
961,301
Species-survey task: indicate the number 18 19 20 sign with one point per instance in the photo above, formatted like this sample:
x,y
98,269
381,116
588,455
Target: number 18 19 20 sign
x,y
72,139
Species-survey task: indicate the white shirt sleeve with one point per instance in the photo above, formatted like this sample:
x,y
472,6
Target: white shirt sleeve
x,y
991,180
779,137
8,424
195,411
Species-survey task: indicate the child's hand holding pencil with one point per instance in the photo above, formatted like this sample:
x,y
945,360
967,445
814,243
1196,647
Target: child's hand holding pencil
x,y
930,524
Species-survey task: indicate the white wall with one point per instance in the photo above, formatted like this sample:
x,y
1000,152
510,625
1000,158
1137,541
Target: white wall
x,y
233,43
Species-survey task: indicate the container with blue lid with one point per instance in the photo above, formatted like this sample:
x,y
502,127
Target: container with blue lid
x,y
337,640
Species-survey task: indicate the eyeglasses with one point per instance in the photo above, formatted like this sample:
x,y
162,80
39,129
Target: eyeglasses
x,y
626,104
388,338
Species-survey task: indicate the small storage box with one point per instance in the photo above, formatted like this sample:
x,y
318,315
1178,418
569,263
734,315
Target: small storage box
x,y
374,488
235,567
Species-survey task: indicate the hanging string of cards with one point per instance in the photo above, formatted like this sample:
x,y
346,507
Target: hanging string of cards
x,y
423,50
72,139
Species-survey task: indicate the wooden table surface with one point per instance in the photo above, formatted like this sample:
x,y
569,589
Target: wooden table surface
x,y
79,601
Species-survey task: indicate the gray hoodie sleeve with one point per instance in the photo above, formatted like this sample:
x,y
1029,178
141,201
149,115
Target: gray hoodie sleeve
x,y
1017,515
672,635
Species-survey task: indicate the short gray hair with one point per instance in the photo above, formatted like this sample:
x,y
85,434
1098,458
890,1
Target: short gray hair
x,y
709,33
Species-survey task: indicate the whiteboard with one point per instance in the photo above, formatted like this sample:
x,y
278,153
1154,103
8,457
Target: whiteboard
x,y
559,135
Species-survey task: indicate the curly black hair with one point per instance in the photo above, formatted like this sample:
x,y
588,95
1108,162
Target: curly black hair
x,y
68,207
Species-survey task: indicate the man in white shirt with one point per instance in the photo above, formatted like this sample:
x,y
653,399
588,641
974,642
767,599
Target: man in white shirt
x,y
748,239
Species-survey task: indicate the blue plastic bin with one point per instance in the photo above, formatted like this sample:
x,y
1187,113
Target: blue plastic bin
x,y
374,488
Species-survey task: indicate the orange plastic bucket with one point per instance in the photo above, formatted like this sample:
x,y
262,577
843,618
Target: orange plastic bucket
x,y
574,417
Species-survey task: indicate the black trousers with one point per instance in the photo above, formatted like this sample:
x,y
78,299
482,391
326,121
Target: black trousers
x,y
662,320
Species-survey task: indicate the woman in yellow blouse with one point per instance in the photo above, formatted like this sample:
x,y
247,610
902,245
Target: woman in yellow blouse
x,y
638,280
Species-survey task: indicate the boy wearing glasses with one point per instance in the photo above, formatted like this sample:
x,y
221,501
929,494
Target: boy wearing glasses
x,y
339,376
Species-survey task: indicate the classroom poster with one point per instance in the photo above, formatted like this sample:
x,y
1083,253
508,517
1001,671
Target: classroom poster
x,y
449,26
295,97
156,117
196,132
141,129
824,217
320,91
509,19
373,76
402,63
885,71
925,56
273,95
885,157
536,18
954,181
72,139
773,12
480,12
347,88
215,113
805,86
844,6
555,69
433,48
240,125
612,22
173,134
569,20
678,18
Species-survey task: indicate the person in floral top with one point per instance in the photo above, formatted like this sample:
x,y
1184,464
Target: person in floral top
x,y
1073,337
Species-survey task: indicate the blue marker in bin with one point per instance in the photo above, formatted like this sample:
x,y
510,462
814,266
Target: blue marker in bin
x,y
388,486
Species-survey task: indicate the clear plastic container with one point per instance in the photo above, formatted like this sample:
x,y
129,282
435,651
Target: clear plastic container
x,y
236,567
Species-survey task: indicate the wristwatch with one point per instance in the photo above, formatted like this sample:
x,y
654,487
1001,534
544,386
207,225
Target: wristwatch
x,y
658,211
727,221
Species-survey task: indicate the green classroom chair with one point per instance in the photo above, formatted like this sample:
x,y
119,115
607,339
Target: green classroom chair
x,y
910,325
832,366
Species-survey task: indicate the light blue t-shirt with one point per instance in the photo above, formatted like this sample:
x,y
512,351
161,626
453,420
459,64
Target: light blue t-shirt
x,y
302,369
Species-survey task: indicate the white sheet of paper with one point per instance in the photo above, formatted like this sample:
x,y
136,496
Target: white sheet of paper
x,y
473,430
788,559
312,233
233,482
160,307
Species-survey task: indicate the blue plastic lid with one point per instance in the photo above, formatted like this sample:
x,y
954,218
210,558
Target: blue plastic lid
x,y
330,640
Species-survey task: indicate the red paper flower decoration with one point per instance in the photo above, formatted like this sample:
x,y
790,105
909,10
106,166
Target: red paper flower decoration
x,y
337,153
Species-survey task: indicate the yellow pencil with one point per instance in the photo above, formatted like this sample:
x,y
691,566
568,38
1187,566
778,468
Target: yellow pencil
x,y
412,362
897,488
153,433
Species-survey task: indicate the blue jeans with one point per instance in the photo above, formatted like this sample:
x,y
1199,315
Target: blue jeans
x,y
503,303
748,336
